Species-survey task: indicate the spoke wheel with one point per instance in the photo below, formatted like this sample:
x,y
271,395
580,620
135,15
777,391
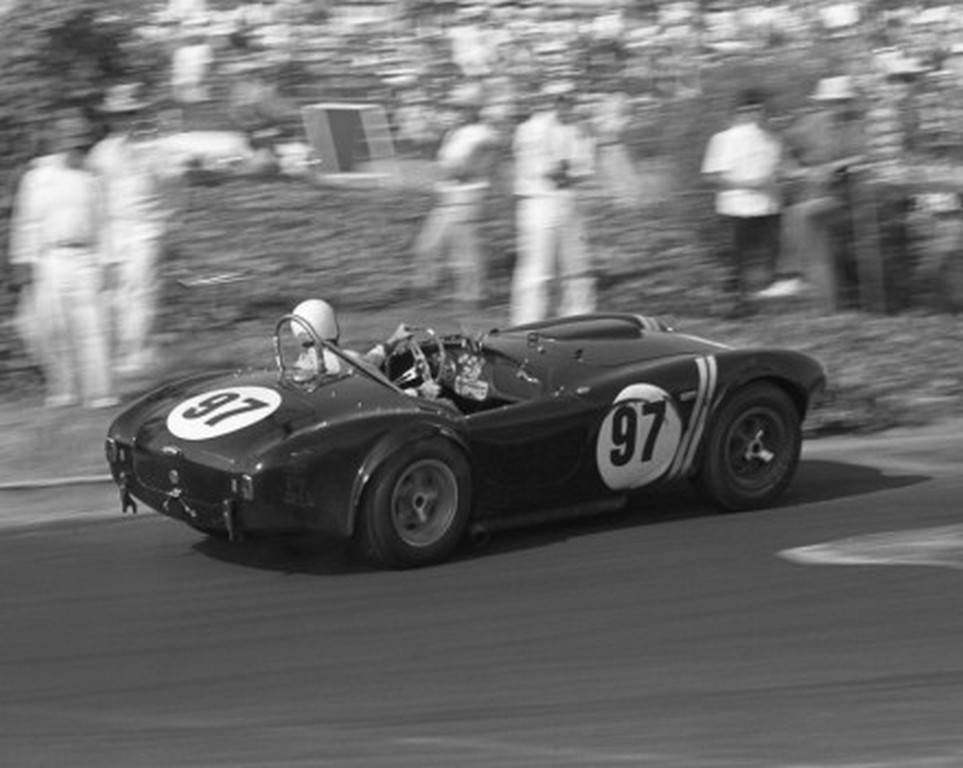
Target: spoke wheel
x,y
752,450
416,508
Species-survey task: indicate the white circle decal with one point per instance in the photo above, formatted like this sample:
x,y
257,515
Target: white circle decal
x,y
221,411
638,438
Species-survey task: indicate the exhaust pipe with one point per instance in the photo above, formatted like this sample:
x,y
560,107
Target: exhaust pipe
x,y
479,535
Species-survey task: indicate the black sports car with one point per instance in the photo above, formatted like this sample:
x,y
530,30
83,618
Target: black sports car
x,y
562,417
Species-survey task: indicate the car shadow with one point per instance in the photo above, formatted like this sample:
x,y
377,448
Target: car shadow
x,y
816,481
819,480
287,554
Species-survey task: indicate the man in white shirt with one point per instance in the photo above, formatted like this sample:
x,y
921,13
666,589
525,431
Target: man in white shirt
x,y
744,163
553,156
450,232
56,237
137,181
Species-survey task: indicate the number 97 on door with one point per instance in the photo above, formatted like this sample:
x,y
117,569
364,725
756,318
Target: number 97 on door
x,y
638,438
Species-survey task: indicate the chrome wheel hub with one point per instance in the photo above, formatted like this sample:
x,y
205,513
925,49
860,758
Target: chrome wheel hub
x,y
424,503
756,449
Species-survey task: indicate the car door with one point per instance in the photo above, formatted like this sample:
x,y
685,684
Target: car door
x,y
534,454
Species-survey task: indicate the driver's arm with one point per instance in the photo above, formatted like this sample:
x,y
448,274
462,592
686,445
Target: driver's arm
x,y
430,390
379,352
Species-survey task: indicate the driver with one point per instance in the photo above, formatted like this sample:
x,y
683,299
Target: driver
x,y
320,316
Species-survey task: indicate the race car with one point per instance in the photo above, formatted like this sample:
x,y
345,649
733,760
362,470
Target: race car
x,y
568,416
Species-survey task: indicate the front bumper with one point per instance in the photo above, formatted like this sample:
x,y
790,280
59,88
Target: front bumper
x,y
210,499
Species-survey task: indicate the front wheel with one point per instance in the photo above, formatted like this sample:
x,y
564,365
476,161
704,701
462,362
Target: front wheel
x,y
416,509
752,450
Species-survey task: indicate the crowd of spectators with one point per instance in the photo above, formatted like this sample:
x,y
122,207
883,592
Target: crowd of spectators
x,y
252,66
258,62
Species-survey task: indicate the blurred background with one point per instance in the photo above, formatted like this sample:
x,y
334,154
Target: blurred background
x,y
306,131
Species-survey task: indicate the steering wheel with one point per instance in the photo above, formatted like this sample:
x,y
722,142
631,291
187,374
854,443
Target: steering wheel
x,y
420,371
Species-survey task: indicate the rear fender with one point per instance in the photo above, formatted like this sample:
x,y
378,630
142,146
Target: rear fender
x,y
388,446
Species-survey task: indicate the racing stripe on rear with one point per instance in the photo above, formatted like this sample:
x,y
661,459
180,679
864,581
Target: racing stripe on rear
x,y
690,427
712,376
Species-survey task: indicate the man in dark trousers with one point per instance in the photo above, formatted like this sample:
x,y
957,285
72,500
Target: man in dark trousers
x,y
743,162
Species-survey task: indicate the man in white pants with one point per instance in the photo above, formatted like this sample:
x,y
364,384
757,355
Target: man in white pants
x,y
449,236
56,226
552,158
137,184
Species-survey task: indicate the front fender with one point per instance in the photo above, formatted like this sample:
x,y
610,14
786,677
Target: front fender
x,y
802,376
798,375
388,446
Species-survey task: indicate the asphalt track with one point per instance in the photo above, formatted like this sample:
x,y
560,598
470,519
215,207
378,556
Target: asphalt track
x,y
662,639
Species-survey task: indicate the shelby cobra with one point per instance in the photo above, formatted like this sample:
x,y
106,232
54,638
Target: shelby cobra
x,y
563,417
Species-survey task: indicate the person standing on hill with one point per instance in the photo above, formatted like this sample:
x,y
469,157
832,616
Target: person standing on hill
x,y
744,162
553,157
56,237
826,152
137,183
616,167
450,233
191,63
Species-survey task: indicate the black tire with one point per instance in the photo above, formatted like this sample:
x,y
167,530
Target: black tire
x,y
752,448
416,509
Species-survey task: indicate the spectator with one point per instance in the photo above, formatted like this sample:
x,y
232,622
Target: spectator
x,y
464,161
417,129
743,162
258,109
823,149
553,156
190,66
615,165
55,237
138,183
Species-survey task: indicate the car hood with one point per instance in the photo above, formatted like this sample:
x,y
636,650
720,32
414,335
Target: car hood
x,y
230,419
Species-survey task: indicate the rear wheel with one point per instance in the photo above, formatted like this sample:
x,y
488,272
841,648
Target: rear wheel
x,y
752,450
416,508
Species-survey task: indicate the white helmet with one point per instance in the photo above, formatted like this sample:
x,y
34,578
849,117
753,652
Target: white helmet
x,y
320,316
